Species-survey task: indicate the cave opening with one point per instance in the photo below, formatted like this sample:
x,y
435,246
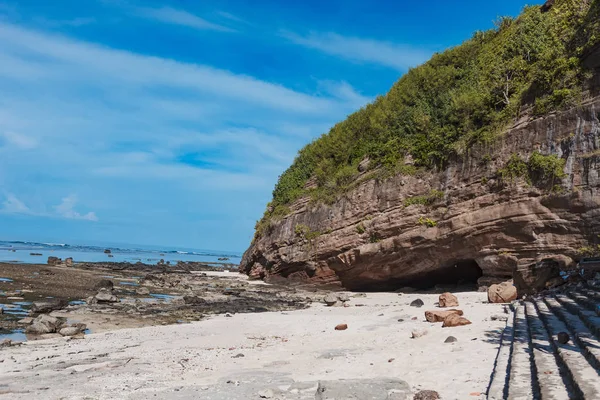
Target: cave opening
x,y
456,273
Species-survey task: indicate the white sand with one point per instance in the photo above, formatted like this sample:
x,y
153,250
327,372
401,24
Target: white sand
x,y
196,360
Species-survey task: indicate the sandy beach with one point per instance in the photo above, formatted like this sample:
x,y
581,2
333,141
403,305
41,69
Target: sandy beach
x,y
281,355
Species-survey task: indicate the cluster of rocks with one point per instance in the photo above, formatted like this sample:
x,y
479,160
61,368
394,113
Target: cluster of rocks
x,y
449,318
45,324
105,293
337,300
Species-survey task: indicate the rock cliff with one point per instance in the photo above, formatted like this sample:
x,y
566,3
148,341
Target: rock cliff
x,y
465,222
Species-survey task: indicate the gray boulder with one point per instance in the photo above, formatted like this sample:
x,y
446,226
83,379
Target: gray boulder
x,y
330,299
72,330
106,296
44,324
46,306
363,389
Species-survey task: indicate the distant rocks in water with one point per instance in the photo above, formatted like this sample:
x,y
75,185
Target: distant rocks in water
x,y
104,284
440,316
504,292
223,258
448,300
35,254
69,261
54,261
454,320
427,395
417,303
110,256
46,306
107,251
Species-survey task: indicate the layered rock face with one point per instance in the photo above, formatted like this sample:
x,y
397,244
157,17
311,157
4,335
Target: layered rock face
x,y
480,228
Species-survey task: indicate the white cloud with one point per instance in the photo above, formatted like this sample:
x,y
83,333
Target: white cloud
x,y
174,16
399,57
14,206
19,141
66,210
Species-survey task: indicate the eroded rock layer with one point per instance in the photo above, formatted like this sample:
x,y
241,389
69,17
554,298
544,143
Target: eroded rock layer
x,y
482,227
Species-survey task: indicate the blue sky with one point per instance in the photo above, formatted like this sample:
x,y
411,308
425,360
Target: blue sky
x,y
168,122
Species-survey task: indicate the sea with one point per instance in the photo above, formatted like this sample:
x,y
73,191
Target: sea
x,y
38,253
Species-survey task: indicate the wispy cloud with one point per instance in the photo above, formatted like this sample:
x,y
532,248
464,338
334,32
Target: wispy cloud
x,y
66,210
397,56
18,141
174,16
13,205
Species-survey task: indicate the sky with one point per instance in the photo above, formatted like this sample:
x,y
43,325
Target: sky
x,y
168,122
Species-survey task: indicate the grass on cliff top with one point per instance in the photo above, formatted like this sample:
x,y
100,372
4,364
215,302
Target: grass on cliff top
x,y
462,96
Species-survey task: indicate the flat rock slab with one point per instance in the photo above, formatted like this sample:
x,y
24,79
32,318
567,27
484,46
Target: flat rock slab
x,y
363,389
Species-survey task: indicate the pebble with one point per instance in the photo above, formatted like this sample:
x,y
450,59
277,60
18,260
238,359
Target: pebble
x,y
341,327
417,303
417,333
266,394
450,339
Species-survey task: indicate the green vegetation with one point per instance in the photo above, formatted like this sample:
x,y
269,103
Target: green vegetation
x,y
462,96
305,232
540,170
425,200
360,229
589,251
428,222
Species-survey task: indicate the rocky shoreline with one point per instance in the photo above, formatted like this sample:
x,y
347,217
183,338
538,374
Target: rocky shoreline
x,y
96,297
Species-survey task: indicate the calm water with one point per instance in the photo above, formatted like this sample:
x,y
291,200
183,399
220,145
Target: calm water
x,y
21,252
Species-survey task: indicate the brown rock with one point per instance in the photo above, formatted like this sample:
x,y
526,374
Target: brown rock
x,y
417,333
427,395
455,320
448,300
440,316
504,292
69,261
341,327
54,260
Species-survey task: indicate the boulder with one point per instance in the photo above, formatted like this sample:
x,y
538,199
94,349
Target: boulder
x,y
69,261
504,292
417,303
44,324
534,278
106,296
104,284
343,297
448,300
72,330
453,320
330,299
46,306
54,260
440,316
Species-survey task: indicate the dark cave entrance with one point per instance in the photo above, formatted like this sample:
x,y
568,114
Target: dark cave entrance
x,y
455,275
459,273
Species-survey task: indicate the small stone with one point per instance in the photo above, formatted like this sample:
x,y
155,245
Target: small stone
x,y
228,315
427,395
391,360
143,291
499,317
239,355
6,343
341,327
451,339
400,320
417,303
447,299
417,333
266,394
70,331
414,318
563,337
